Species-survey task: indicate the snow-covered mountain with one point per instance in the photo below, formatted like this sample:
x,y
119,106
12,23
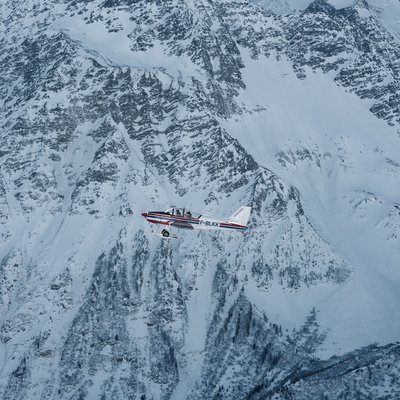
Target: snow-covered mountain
x,y
110,108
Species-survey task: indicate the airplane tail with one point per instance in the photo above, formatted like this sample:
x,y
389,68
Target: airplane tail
x,y
241,216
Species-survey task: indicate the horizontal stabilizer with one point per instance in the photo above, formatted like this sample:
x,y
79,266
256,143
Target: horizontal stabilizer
x,y
241,216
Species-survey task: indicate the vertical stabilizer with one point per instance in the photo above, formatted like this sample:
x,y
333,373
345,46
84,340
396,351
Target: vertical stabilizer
x,y
240,216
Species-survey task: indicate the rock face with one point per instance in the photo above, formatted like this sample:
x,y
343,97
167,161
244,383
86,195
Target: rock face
x,y
110,108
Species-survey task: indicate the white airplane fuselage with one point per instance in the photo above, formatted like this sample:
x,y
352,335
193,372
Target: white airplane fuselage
x,y
185,222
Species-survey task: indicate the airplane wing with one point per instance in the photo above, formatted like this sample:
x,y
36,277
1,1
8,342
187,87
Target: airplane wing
x,y
182,225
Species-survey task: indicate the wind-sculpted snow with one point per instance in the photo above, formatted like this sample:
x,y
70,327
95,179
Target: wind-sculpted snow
x,y
370,373
111,108
349,43
391,223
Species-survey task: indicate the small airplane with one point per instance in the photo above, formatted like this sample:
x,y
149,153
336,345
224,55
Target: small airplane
x,y
184,219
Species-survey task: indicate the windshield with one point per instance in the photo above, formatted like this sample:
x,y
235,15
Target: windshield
x,y
182,212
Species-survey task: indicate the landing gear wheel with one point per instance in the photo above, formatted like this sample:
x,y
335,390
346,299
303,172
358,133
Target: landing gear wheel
x,y
165,233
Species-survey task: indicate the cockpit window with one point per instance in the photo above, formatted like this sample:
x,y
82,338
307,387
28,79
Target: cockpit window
x,y
182,212
191,214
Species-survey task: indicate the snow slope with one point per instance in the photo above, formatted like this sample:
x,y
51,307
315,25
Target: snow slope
x,y
339,139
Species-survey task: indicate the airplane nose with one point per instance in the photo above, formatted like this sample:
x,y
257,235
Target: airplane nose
x,y
144,215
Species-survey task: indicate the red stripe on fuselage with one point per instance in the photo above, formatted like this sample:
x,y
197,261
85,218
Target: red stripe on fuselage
x,y
175,218
159,222
228,225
